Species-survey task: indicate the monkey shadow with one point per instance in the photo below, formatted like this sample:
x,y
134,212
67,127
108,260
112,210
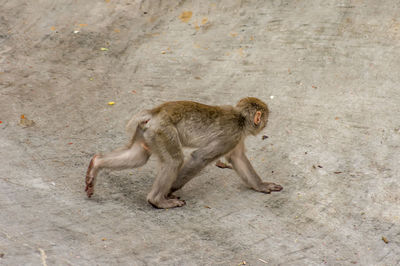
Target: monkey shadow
x,y
125,187
129,188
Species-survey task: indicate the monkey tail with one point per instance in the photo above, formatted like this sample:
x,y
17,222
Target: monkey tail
x,y
138,119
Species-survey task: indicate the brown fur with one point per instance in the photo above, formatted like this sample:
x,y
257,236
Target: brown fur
x,y
214,130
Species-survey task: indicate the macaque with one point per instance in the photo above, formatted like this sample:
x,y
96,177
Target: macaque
x,y
214,131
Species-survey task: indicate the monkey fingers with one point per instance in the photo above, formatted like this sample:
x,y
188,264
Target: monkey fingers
x,y
267,187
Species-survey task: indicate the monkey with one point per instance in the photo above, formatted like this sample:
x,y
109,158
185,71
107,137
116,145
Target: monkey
x,y
213,131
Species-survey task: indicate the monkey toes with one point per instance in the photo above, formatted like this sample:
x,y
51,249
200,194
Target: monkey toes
x,y
89,186
89,190
172,196
267,187
168,203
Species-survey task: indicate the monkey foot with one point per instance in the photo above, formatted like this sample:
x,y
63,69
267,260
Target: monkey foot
x,y
168,203
267,187
172,196
89,190
90,178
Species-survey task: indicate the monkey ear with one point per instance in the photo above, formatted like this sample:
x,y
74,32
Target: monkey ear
x,y
257,118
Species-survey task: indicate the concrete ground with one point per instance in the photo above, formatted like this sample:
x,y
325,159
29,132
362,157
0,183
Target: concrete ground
x,y
329,71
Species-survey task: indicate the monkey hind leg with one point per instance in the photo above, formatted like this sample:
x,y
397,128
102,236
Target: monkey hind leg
x,y
159,195
166,145
130,157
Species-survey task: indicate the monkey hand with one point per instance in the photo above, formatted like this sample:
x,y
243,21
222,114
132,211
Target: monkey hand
x,y
267,187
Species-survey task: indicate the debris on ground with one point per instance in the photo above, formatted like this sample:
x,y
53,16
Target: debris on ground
x,y
223,165
337,172
186,16
103,49
43,256
266,262
264,137
25,122
385,240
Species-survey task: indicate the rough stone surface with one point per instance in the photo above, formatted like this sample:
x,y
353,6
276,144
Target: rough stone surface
x,y
329,71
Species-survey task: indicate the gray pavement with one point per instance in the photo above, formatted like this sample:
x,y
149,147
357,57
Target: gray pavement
x,y
329,71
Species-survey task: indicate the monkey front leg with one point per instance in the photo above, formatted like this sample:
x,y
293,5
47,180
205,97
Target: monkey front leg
x,y
245,170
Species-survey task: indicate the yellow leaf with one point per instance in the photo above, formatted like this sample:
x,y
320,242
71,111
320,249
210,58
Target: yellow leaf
x,y
186,16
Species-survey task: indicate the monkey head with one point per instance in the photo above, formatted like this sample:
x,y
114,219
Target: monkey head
x,y
255,114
